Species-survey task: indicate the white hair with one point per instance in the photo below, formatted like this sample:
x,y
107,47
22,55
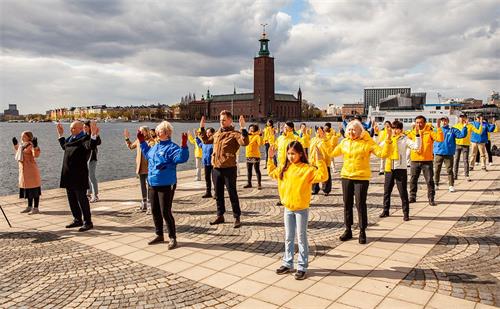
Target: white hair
x,y
355,123
165,127
144,128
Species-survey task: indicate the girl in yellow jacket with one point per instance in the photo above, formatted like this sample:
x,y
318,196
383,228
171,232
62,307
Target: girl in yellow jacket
x,y
197,154
284,140
269,138
357,147
305,137
295,178
252,152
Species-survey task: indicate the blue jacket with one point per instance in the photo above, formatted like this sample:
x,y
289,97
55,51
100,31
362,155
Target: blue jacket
x,y
483,137
163,158
206,150
448,145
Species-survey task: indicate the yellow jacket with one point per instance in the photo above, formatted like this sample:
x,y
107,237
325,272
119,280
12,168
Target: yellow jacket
x,y
295,187
357,155
333,137
470,128
428,137
382,136
269,135
252,150
305,138
494,131
281,144
325,147
198,152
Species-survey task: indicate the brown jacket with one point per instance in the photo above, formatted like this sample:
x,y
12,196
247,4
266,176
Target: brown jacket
x,y
140,160
29,174
226,142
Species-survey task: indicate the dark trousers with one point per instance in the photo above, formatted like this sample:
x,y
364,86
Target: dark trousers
x,y
79,204
267,156
161,199
400,177
325,186
438,163
488,151
226,177
426,167
461,149
355,189
208,178
256,166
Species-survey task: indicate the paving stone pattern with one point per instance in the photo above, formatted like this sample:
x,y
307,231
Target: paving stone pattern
x,y
465,263
40,270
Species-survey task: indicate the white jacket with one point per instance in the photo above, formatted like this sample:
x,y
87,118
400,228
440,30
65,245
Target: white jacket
x,y
404,143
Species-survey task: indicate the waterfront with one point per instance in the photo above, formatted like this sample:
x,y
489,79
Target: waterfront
x,y
115,161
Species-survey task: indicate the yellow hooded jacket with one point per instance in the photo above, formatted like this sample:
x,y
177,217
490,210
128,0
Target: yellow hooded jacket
x,y
305,138
252,150
357,154
428,137
325,147
198,152
470,128
295,187
281,144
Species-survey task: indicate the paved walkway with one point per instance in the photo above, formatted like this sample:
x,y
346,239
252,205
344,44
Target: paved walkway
x,y
445,257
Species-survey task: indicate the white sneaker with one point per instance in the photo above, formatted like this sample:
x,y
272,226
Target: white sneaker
x,y
95,199
451,188
437,187
468,178
490,164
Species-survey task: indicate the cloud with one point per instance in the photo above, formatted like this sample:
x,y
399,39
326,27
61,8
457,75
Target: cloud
x,y
63,53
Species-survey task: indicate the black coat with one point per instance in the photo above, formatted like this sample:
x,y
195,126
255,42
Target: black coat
x,y
75,172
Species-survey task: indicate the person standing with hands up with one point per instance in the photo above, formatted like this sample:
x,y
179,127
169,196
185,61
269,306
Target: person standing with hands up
x,y
163,158
227,142
29,174
75,172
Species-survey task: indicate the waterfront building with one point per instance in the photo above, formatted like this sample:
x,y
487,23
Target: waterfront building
x,y
11,111
258,105
353,109
372,96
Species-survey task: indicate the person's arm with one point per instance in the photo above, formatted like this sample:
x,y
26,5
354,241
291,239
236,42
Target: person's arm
x,y
414,144
337,151
98,140
199,142
131,145
15,144
437,135
319,173
191,139
384,151
180,154
243,138
491,127
460,133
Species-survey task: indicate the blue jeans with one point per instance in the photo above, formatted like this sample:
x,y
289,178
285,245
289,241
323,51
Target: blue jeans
x,y
296,221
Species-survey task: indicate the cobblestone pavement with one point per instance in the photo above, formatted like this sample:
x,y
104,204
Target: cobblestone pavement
x,y
465,263
41,270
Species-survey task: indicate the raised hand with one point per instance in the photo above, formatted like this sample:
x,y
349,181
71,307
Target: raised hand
x,y
94,130
202,122
60,129
140,136
417,131
14,141
34,142
271,152
184,138
375,127
126,134
242,121
320,132
438,123
317,154
389,134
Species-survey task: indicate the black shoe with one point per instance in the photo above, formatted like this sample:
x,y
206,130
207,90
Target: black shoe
x,y
259,187
300,275
86,227
158,239
248,185
432,203
283,270
218,220
207,195
326,194
346,236
279,203
362,237
412,200
74,224
237,223
172,244
406,217
381,173
314,193
384,214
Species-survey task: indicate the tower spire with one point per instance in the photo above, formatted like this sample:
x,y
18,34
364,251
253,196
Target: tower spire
x,y
264,48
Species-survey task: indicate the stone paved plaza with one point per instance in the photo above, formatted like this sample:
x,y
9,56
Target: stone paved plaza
x,y
445,257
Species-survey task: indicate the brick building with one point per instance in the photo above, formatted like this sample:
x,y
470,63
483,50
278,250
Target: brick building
x,y
262,104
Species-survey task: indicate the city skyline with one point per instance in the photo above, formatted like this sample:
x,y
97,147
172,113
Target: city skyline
x,y
129,52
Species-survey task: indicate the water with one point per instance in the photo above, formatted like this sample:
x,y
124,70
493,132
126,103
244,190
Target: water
x,y
115,160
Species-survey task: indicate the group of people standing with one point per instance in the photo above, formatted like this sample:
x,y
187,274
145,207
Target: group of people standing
x,y
295,159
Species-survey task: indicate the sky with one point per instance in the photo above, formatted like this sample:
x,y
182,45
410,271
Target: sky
x,y
122,52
